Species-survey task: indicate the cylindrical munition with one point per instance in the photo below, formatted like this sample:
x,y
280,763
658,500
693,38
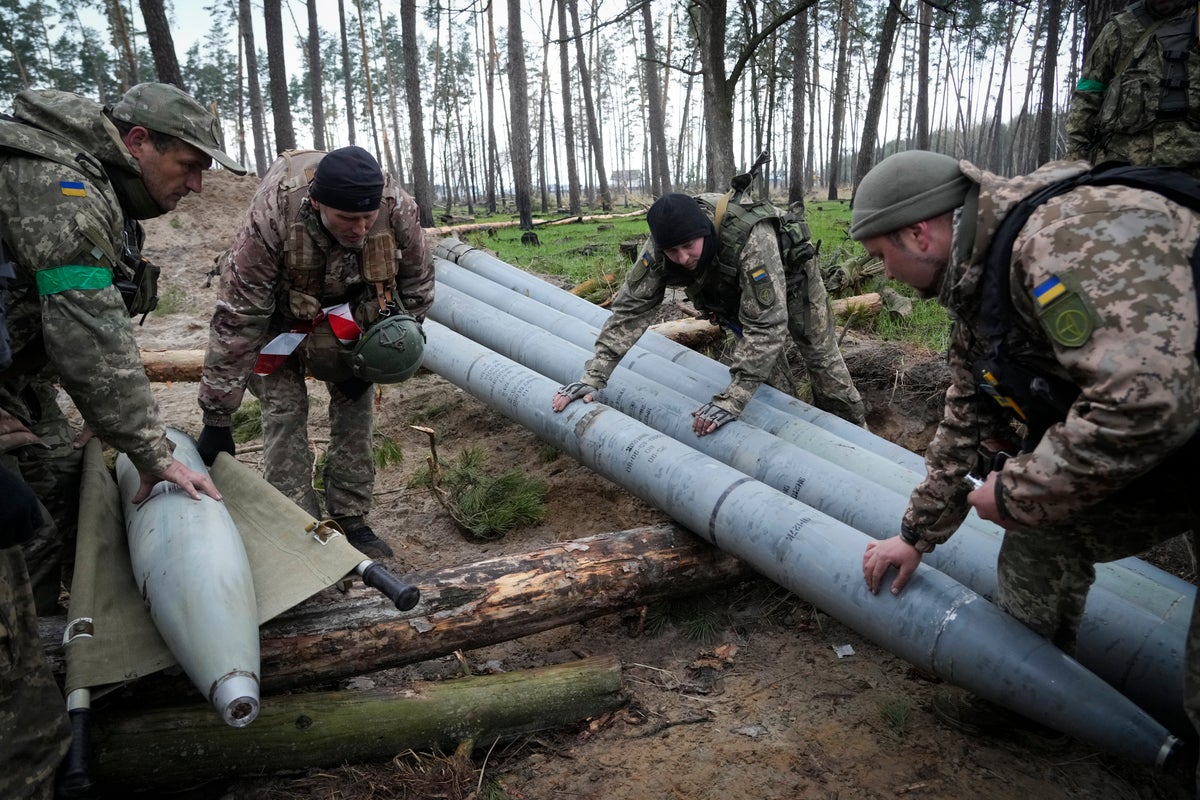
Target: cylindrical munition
x,y
191,568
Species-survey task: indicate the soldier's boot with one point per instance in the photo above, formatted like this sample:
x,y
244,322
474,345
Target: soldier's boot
x,y
972,714
359,534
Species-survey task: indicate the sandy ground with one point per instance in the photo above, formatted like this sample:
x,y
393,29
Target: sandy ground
x,y
785,717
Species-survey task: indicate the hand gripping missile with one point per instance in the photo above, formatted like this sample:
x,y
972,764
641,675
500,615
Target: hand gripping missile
x,y
191,567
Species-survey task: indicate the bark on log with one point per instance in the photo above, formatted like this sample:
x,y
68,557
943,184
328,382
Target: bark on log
x,y
689,332
181,746
163,366
867,305
333,636
454,230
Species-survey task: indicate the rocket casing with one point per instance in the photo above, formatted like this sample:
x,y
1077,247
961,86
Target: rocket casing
x,y
191,568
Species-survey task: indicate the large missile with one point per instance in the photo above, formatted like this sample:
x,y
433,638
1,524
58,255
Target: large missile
x,y
191,568
573,319
1134,650
936,623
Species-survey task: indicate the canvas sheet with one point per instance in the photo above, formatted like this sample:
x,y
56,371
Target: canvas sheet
x,y
110,637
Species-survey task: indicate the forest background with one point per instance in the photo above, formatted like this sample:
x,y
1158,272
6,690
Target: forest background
x,y
557,105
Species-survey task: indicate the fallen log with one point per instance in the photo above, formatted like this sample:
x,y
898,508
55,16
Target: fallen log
x,y
689,332
163,366
454,230
135,748
334,636
863,305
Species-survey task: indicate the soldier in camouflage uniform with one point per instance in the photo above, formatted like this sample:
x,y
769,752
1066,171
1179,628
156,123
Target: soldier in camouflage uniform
x,y
322,229
1103,302
1138,97
751,294
75,177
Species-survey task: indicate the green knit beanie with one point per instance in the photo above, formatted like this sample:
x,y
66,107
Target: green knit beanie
x,y
906,188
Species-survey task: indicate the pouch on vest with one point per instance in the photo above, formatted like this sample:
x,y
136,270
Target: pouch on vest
x,y
325,356
136,278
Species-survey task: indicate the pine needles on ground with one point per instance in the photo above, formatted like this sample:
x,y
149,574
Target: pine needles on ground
x,y
247,422
485,506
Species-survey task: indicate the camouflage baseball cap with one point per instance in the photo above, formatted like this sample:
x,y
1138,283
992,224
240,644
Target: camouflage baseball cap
x,y
168,109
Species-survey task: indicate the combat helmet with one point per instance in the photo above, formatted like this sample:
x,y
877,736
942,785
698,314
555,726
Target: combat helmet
x,y
390,351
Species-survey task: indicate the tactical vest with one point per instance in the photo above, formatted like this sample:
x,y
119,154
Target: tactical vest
x,y
720,287
306,260
1035,398
1164,94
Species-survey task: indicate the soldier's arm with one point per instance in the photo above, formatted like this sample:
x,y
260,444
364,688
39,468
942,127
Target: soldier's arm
x,y
69,238
250,274
1124,327
414,274
762,315
938,505
632,311
1099,67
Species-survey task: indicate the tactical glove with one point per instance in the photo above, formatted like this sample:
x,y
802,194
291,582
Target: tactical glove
x,y
577,390
711,412
20,514
215,439
351,389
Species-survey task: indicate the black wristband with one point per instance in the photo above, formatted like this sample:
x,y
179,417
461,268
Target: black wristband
x,y
908,535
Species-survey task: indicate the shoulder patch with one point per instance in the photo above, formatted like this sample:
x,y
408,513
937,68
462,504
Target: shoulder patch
x,y
639,271
72,188
1063,313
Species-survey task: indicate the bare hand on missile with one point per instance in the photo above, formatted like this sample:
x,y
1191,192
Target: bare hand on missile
x,y
179,474
881,556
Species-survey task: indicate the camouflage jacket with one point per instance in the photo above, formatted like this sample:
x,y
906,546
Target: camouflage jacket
x,y
1119,117
761,308
1118,261
253,305
65,229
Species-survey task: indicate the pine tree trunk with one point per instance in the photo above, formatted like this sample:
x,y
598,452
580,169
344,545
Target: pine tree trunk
x,y
162,46
315,85
876,92
589,106
277,80
256,100
347,84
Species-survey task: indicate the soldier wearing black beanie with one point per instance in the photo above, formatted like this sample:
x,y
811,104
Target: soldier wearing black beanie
x,y
348,179
677,219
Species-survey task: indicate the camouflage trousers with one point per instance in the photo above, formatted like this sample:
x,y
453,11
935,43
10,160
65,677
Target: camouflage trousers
x,y
53,471
349,472
34,730
1044,574
810,323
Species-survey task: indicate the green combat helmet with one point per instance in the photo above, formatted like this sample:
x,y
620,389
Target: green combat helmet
x,y
390,351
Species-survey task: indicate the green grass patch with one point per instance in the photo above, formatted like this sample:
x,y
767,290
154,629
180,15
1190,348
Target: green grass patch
x,y
171,300
485,506
896,712
385,452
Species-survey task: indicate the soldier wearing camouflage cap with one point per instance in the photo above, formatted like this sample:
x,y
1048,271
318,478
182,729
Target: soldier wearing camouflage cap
x,y
75,178
1103,328
1138,95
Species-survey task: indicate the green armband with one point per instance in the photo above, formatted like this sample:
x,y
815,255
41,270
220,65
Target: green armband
x,y
66,278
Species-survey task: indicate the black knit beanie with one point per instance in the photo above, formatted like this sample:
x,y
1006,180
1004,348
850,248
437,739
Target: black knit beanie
x,y
348,179
675,219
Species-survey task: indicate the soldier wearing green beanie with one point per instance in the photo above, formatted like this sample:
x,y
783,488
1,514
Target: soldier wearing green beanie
x,y
1074,383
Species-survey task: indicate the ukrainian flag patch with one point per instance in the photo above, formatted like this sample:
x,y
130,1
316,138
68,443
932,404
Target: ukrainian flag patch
x,y
72,188
759,274
1047,291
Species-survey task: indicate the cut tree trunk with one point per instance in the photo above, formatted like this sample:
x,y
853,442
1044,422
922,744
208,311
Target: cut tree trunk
x,y
164,366
863,305
334,636
690,332
182,746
